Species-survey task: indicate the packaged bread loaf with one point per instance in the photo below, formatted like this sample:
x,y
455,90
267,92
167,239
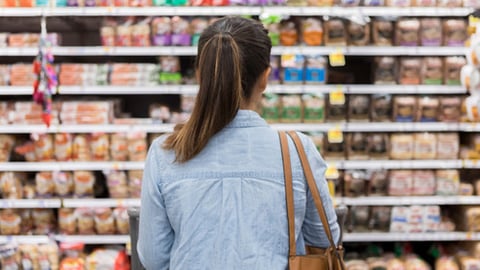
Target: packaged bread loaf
x,y
354,183
446,263
6,145
81,148
271,108
137,146
416,219
293,69
314,108
64,184
11,185
378,183
288,33
63,146
359,108
336,111
381,108
399,220
99,146
378,146
404,108
448,182
43,146
382,32
410,70
334,150
432,71
400,183
26,215
161,31
450,109
67,222
292,109
357,146
407,32
358,34
428,109
431,31
85,221
44,184
385,70
84,182
181,34
425,146
465,189
135,183
335,33
358,219
121,220
453,66
9,222
315,70
117,184
399,3
104,221
448,145
119,147
44,221
401,146
423,182
454,32
380,218
414,262
312,32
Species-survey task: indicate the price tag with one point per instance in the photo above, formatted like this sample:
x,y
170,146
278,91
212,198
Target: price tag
x,y
332,172
337,96
331,188
337,58
116,166
469,236
335,135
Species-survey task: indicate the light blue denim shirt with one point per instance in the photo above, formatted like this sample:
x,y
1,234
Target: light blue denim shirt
x,y
225,209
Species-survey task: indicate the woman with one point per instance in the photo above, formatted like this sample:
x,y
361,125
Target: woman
x,y
213,190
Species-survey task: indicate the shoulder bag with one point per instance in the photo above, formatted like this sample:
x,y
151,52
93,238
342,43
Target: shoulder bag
x,y
317,258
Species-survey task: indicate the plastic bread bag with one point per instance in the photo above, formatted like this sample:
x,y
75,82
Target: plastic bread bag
x,y
63,146
380,218
428,109
448,182
432,71
67,221
117,184
358,34
137,146
448,145
357,146
121,220
312,32
449,3
10,222
288,33
43,147
44,221
141,33
431,32
453,66
6,146
378,146
405,108
400,183
135,183
455,32
407,32
410,70
401,146
162,31
81,148
99,146
85,221
44,184
181,33
359,108
11,185
64,184
84,182
424,183
104,221
355,183
119,147
381,108
383,32
292,109
335,33
315,70
314,108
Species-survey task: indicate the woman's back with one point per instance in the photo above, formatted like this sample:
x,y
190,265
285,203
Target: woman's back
x,y
225,208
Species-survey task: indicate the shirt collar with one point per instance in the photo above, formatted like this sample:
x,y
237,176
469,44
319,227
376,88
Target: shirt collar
x,y
247,118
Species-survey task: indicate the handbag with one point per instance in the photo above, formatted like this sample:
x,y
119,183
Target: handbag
x,y
316,258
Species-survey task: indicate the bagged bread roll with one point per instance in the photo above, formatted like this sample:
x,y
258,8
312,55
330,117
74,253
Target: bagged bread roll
x,y
117,184
135,183
44,184
43,147
312,32
358,218
453,66
401,146
119,147
358,34
121,220
410,70
450,109
81,148
64,184
334,150
424,183
292,109
335,33
407,32
104,221
448,145
431,31
405,108
399,223
336,112
355,183
67,222
378,183
432,71
314,108
380,218
137,146
63,146
271,108
383,32
85,221
11,186
425,146
385,70
400,183
84,182
381,109
359,108
9,222
357,146
44,221
399,3
446,263
448,182
288,33
425,3
455,32
99,146
6,145
378,146
465,189
428,109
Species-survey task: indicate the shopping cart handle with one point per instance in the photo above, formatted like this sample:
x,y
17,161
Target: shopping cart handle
x,y
341,212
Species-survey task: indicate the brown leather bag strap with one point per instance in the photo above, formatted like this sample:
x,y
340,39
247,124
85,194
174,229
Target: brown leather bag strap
x,y
287,171
307,170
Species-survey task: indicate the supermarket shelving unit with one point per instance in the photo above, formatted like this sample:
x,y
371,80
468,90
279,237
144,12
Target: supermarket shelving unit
x,y
191,89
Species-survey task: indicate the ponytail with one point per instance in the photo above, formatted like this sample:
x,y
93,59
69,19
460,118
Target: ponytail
x,y
219,97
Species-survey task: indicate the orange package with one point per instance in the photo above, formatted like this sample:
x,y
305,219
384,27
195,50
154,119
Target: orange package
x,y
288,33
43,146
312,32
99,146
63,146
81,148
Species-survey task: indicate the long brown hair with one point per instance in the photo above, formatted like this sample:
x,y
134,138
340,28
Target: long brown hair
x,y
232,54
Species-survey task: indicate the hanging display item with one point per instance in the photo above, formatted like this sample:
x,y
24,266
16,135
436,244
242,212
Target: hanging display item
x,y
46,81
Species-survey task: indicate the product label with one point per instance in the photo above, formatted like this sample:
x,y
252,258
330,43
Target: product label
x,y
314,114
316,75
293,75
181,39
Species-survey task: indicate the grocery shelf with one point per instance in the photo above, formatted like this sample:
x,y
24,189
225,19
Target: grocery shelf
x,y
69,166
396,164
273,88
93,239
74,203
235,10
409,200
31,203
277,50
24,239
109,128
410,237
